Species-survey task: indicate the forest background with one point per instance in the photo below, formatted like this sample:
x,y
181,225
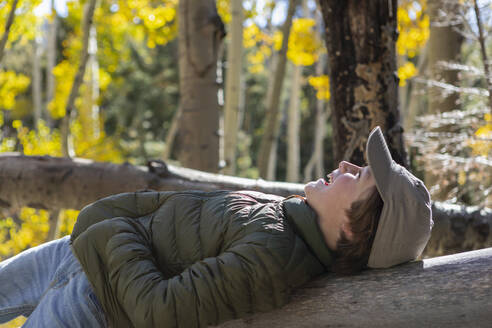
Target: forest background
x,y
100,80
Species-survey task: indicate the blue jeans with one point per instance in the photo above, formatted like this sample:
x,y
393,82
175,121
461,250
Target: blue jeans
x,y
47,284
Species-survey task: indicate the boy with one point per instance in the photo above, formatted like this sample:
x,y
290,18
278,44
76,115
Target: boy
x,y
192,259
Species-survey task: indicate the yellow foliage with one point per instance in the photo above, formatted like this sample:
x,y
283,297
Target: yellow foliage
x,y
67,220
31,230
11,84
304,43
17,322
482,146
253,36
22,29
413,26
97,147
40,142
461,178
224,10
405,72
322,85
277,40
64,74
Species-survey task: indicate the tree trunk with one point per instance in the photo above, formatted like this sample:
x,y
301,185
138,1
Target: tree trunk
x,y
294,119
315,163
51,61
414,104
88,16
444,46
271,121
54,183
200,35
448,291
360,38
233,87
94,84
36,82
8,24
54,223
293,122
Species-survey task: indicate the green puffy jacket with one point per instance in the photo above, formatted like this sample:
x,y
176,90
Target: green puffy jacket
x,y
192,259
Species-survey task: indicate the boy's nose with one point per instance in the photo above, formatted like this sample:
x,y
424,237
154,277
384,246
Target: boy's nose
x,y
345,166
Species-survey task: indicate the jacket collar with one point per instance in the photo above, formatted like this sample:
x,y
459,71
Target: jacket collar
x,y
306,225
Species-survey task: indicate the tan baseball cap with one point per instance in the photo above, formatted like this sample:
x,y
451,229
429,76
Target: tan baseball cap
x,y
406,219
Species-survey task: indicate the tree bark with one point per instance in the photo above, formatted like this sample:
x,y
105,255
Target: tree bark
x,y
8,24
448,291
444,46
360,38
414,104
293,121
54,183
51,61
233,87
200,35
271,122
88,16
36,82
483,52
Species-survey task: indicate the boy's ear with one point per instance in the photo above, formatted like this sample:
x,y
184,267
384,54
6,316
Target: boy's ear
x,y
346,230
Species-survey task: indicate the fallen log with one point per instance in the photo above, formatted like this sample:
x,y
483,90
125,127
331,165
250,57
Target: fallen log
x,y
54,183
447,291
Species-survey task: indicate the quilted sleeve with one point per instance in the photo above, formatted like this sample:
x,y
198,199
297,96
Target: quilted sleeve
x,y
131,205
238,282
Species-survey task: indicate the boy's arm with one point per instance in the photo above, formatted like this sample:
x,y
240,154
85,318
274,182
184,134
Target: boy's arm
x,y
130,204
233,284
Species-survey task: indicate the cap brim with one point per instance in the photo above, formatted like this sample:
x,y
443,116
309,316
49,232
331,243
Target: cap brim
x,y
379,159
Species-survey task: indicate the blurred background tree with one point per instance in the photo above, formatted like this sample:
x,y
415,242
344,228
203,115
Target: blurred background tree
x,y
129,103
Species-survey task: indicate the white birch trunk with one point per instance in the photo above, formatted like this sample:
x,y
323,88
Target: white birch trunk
x,y
293,122
51,60
272,110
233,86
315,163
94,82
67,147
200,35
36,81
8,25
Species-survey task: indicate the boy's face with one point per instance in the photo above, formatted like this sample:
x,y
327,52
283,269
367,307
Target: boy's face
x,y
330,199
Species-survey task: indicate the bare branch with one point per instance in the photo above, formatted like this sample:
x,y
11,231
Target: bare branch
x,y
5,37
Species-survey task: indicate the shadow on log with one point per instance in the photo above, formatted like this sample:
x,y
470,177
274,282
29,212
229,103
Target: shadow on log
x,y
447,291
56,183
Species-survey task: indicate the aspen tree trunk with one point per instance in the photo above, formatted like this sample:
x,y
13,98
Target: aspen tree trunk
x,y
233,86
315,163
271,124
444,46
88,16
171,134
483,51
360,38
36,81
94,83
293,121
415,105
51,61
200,35
8,24
55,182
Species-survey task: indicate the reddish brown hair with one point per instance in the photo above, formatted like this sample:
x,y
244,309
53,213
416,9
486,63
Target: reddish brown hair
x,y
351,256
